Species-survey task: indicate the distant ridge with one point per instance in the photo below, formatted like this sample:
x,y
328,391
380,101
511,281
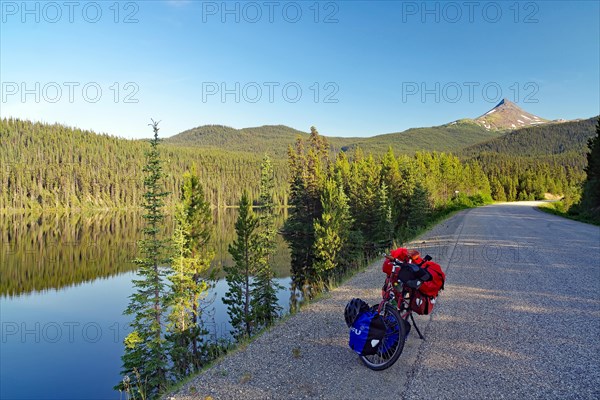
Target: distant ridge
x,y
275,139
453,137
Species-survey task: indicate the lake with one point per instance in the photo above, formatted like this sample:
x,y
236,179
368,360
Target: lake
x,y
64,283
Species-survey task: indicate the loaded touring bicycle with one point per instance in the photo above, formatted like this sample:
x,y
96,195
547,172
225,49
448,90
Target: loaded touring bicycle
x,y
378,333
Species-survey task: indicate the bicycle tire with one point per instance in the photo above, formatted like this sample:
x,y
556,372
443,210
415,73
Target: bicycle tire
x,y
394,339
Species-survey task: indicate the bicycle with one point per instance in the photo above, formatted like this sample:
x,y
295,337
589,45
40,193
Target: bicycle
x,y
398,289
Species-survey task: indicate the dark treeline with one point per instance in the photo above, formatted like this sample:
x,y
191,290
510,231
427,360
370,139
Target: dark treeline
x,y
590,200
527,163
588,207
514,178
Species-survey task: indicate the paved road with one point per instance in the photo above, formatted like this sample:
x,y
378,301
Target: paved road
x,y
519,319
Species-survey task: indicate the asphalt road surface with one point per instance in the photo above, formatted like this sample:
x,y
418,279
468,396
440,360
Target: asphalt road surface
x,y
519,319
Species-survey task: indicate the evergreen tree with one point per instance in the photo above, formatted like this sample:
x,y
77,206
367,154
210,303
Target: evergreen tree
x,y
332,231
408,178
307,174
189,270
144,361
497,190
391,177
363,188
264,301
244,251
590,200
298,229
384,232
420,208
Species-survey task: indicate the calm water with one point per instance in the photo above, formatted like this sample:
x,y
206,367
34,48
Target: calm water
x,y
64,282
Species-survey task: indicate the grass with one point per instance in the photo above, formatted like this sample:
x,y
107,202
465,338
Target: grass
x,y
558,208
296,352
245,378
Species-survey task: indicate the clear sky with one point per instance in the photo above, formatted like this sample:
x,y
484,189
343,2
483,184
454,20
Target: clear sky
x,y
351,68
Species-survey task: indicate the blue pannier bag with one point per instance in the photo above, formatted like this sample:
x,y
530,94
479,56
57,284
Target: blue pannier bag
x,y
366,333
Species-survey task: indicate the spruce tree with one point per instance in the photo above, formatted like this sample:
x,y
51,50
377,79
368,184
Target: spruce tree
x,y
392,178
408,171
264,301
332,231
591,189
419,208
497,190
384,227
308,170
189,269
363,186
144,361
244,251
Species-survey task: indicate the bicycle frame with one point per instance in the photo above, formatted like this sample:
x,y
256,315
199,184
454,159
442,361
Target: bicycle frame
x,y
401,298
390,292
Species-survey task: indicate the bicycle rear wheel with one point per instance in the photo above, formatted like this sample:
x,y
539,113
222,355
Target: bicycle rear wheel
x,y
392,344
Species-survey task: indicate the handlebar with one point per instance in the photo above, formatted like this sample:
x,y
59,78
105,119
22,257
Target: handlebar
x,y
408,271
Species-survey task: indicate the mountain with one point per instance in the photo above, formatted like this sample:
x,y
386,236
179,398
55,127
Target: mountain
x,y
507,116
541,140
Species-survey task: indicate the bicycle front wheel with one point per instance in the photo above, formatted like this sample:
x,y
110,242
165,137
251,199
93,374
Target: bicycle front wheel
x,y
392,344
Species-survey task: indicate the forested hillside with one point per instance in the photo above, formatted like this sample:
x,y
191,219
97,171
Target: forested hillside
x,y
53,166
557,138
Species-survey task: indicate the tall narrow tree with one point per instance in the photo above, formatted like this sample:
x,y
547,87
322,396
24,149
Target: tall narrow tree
x,y
308,169
244,253
332,231
145,355
190,266
265,307
591,189
419,208
384,232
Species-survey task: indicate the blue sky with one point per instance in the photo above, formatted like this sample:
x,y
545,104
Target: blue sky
x,y
351,68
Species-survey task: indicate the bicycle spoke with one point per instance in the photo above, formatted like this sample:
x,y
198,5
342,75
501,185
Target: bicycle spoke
x,y
392,343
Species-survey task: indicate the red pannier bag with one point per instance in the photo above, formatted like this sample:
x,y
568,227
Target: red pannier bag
x,y
400,254
421,303
432,287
